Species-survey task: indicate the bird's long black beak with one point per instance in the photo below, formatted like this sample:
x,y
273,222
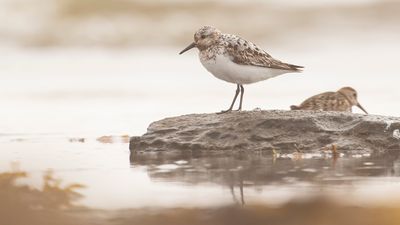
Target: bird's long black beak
x,y
362,108
188,48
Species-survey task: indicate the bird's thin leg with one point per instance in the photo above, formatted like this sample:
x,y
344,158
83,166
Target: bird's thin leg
x,y
241,97
233,102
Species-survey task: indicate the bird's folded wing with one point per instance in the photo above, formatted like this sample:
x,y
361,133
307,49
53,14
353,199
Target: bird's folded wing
x,y
250,54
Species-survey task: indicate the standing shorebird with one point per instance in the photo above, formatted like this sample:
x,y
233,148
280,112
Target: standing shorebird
x,y
342,100
232,59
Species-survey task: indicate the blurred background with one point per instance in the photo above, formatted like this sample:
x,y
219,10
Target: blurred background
x,y
72,71
95,67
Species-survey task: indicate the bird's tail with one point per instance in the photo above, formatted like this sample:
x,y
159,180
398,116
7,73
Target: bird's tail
x,y
296,68
295,107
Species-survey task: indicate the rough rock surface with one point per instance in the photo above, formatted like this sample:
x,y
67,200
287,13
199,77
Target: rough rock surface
x,y
267,130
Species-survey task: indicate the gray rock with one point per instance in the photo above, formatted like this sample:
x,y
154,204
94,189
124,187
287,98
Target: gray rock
x,y
284,131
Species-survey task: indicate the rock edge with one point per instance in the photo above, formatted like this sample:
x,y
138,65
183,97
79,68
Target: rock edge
x,y
268,130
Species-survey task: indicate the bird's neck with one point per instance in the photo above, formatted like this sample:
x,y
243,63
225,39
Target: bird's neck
x,y
345,97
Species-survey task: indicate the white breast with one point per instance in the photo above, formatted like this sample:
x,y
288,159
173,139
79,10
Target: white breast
x,y
225,69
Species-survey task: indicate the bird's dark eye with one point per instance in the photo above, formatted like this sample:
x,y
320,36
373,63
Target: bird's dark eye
x,y
203,36
355,95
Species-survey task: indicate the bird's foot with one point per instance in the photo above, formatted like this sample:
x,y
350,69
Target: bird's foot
x,y
225,111
229,110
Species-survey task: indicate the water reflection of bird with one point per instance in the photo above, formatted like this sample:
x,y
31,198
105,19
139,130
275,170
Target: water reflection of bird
x,y
231,183
342,100
235,60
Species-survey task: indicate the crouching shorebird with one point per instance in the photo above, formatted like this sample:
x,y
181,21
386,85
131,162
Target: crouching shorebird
x,y
342,100
235,60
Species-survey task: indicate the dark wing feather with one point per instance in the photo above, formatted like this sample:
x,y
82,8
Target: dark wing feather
x,y
246,53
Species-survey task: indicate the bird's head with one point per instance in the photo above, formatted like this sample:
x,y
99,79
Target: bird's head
x,y
351,96
204,38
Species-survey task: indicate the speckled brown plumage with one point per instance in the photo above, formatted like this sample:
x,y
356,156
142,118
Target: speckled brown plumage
x,y
235,60
246,53
341,100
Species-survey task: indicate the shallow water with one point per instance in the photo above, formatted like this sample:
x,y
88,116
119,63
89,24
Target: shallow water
x,y
259,177
116,179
